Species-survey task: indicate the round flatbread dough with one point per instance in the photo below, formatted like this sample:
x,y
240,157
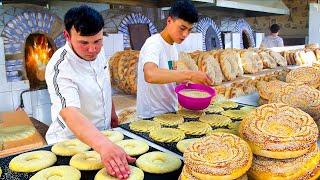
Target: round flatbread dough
x,y
136,174
58,172
69,147
144,125
213,108
167,135
184,144
189,113
16,133
227,104
169,119
195,128
32,161
158,162
89,160
216,120
113,136
133,147
235,114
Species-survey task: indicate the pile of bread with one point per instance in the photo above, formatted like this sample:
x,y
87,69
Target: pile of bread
x,y
223,65
248,85
277,142
123,70
301,90
283,140
306,56
228,64
218,156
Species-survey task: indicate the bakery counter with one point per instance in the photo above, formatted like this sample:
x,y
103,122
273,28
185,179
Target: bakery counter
x,y
7,173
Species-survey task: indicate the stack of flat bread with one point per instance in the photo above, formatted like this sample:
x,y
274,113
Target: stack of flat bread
x,y
123,70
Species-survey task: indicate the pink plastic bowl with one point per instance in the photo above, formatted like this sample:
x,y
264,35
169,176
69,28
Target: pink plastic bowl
x,y
195,103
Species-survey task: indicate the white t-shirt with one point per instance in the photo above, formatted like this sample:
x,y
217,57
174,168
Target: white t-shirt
x,y
272,41
74,82
155,99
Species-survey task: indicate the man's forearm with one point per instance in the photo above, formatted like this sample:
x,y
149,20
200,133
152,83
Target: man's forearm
x,y
164,76
83,129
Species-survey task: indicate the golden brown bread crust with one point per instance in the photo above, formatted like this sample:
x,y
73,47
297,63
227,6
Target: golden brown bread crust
x,y
266,89
306,75
268,61
230,63
281,61
251,61
300,96
303,167
279,131
218,156
123,70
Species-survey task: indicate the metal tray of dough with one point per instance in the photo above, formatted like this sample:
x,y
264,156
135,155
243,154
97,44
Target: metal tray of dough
x,y
7,174
173,146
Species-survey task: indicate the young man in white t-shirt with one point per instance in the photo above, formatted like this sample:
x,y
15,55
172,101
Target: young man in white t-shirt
x,y
78,82
156,77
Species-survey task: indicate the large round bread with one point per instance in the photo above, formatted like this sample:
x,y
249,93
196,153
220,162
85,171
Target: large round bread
x,y
218,156
266,89
300,96
279,131
306,166
307,75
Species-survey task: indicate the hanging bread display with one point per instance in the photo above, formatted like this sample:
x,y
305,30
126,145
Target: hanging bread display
x,y
123,71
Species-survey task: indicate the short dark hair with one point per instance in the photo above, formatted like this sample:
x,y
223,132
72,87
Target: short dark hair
x,y
185,10
84,19
274,28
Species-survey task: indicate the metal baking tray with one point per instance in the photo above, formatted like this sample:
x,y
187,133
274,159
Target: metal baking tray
x,y
7,174
173,146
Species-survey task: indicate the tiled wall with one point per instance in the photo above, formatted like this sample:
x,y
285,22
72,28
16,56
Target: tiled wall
x,y
112,43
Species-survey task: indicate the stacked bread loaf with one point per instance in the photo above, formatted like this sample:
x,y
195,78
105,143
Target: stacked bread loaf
x,y
123,70
283,140
218,156
225,65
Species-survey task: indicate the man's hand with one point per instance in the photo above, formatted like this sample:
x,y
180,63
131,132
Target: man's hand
x,y
114,121
201,78
116,160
